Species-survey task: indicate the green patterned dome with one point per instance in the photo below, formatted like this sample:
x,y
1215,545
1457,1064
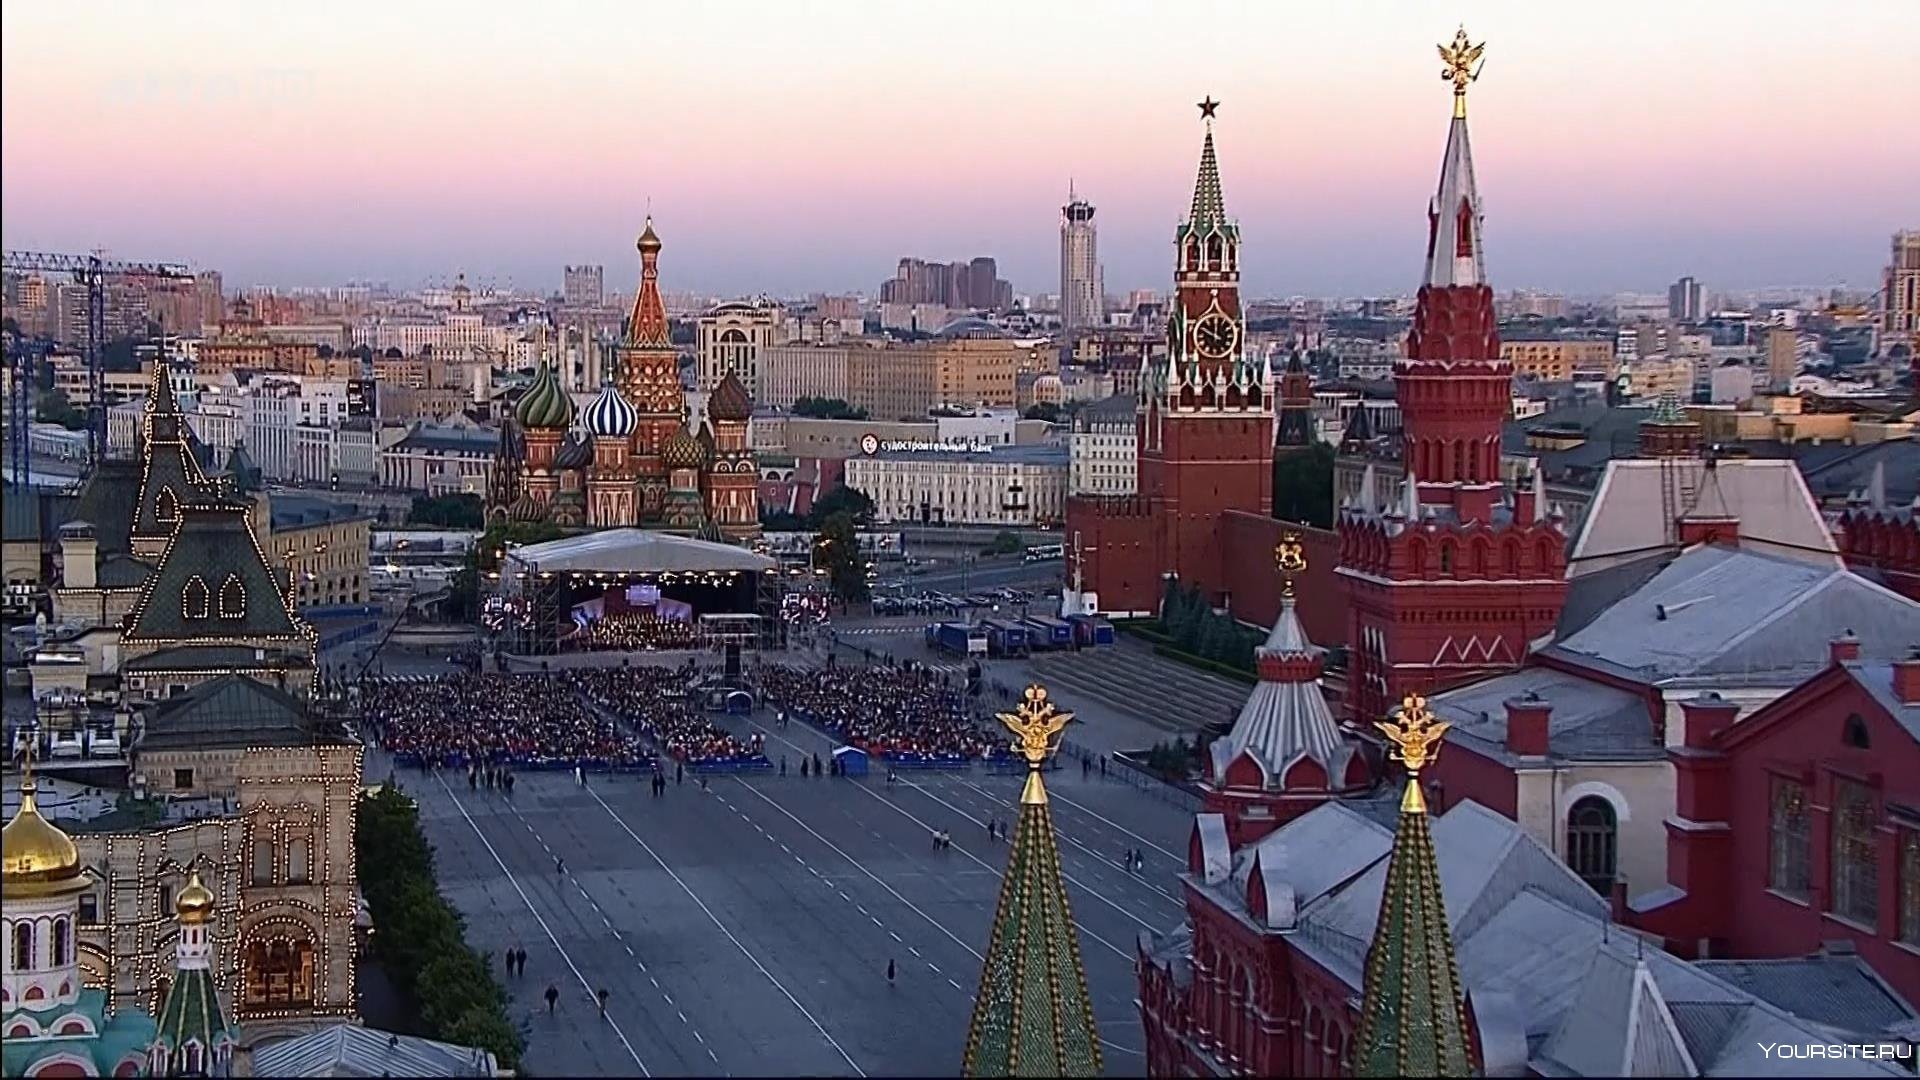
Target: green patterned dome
x,y
545,406
683,451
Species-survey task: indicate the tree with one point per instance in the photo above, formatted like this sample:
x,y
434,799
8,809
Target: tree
x,y
841,500
827,409
1005,543
781,520
837,550
1043,410
456,511
55,408
1303,486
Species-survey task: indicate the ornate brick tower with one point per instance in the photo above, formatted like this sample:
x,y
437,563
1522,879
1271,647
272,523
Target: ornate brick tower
x,y
650,380
1453,580
1204,426
733,503
611,499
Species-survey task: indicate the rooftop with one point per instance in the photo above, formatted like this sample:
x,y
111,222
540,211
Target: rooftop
x,y
636,551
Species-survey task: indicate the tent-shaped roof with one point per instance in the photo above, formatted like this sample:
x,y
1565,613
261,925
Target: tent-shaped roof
x,y
636,551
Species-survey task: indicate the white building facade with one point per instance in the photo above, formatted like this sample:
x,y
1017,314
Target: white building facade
x,y
1020,486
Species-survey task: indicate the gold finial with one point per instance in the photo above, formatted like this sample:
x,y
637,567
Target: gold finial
x,y
1416,734
1463,64
1034,722
1291,557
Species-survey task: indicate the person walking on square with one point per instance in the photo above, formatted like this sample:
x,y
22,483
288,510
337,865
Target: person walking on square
x,y
579,776
520,961
890,971
603,1003
553,997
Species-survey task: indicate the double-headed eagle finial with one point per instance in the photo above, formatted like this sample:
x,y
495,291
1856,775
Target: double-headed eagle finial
x,y
1415,733
1034,722
1291,557
1462,66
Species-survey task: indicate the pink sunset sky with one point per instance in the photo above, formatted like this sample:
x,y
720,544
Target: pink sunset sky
x,y
788,146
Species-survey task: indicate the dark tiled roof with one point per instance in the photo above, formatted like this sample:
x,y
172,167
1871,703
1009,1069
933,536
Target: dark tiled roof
x,y
290,511
1835,470
212,658
232,711
20,511
120,571
169,467
106,502
1840,991
215,544
455,440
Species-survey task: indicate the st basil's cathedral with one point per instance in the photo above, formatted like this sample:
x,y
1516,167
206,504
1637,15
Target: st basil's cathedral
x,y
631,456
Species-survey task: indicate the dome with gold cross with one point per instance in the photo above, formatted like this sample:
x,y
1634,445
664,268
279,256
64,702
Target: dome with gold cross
x,y
39,859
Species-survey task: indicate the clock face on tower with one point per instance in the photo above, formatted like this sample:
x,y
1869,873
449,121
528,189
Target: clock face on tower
x,y
1215,335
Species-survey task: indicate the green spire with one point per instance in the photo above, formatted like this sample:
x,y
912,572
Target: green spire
x,y
1412,1018
1032,1015
1209,206
1668,411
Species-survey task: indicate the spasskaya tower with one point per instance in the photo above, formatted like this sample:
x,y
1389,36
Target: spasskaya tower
x,y
1203,425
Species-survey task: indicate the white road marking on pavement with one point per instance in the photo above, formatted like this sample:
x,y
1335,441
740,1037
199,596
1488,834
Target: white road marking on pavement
x,y
909,815
1181,859
933,965
711,917
876,922
1099,858
956,986
564,955
915,908
1096,893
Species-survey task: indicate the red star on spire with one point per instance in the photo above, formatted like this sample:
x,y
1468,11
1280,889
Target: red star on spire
x,y
1207,107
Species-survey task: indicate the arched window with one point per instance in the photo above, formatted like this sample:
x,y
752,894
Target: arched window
x,y
279,972
1446,557
1854,732
23,946
233,598
196,600
61,953
262,862
297,859
1592,842
1856,867
1216,258
166,506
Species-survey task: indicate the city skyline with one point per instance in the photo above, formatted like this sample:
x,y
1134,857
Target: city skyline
x,y
1620,148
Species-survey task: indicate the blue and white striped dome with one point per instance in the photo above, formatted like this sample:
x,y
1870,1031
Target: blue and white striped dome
x,y
610,415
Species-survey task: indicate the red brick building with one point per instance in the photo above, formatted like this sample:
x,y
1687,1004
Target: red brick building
x,y
1453,580
1800,824
1204,430
1884,542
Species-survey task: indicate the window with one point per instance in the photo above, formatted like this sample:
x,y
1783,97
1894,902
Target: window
x,y
166,506
233,598
165,893
23,946
279,972
1909,930
1789,840
297,853
1856,872
89,909
196,602
62,952
1592,839
1854,732
262,862
182,779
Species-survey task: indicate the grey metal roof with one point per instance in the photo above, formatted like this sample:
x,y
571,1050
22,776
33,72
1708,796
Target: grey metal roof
x,y
1836,470
1317,852
352,1050
1738,613
634,551
213,658
1877,679
463,440
292,511
1838,990
1629,515
232,711
1589,720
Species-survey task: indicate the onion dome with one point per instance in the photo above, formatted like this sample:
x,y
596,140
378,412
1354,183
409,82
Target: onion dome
x,y
573,454
39,859
730,400
609,415
195,902
683,451
545,406
648,241
526,508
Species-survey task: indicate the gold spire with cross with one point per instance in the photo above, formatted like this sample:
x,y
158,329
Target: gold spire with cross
x,y
1462,66
1415,733
1034,722
1291,557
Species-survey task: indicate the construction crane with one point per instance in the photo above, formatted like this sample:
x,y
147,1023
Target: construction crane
x,y
92,272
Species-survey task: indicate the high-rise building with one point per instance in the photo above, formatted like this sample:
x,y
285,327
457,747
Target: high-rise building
x,y
731,338
1686,301
1783,357
584,286
1900,304
1082,300
974,284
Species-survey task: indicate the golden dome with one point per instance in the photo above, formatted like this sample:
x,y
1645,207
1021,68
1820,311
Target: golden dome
x,y
195,902
649,241
39,859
